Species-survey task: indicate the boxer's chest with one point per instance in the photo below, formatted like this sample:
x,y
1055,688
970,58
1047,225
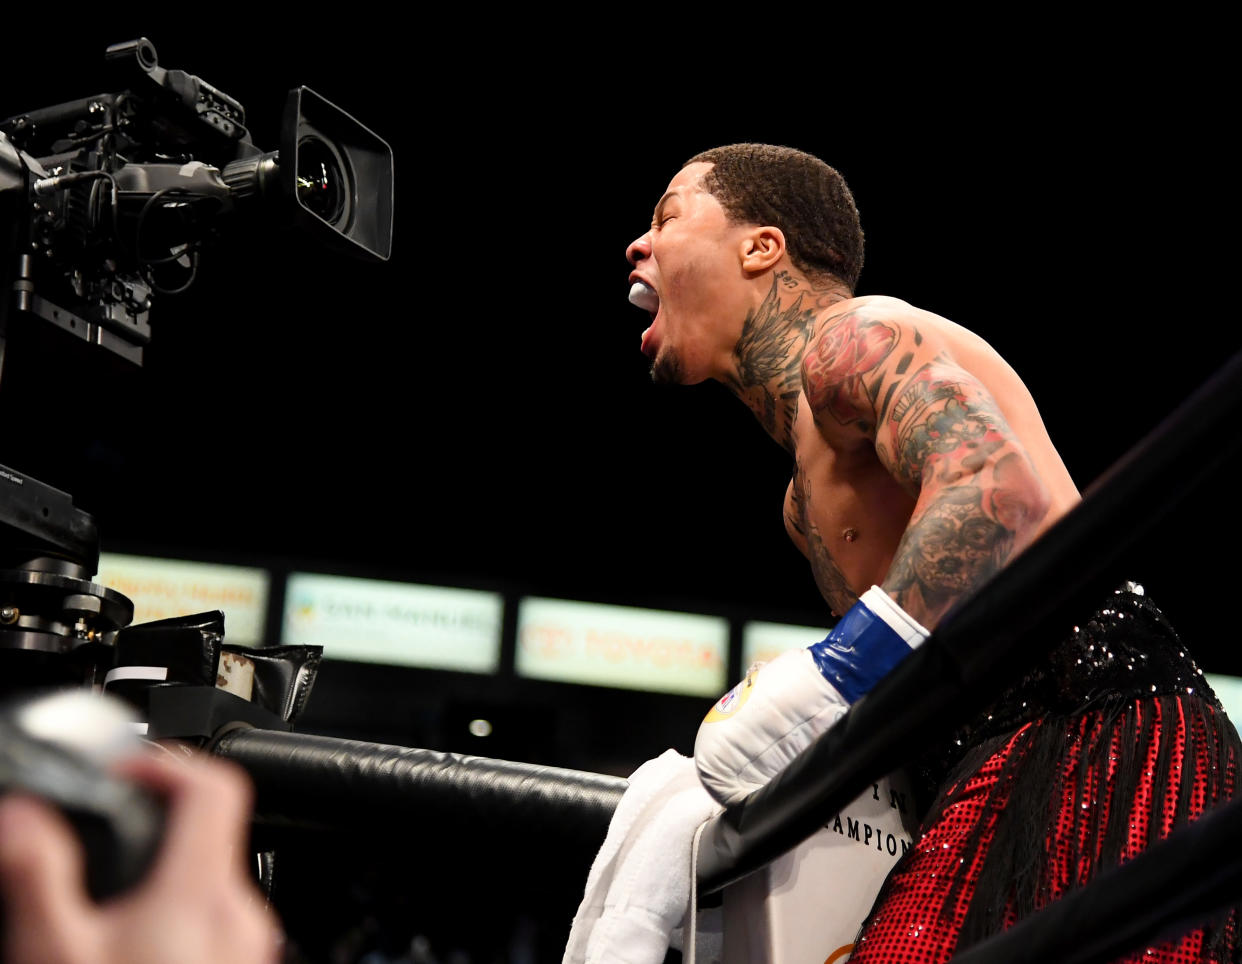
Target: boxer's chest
x,y
845,513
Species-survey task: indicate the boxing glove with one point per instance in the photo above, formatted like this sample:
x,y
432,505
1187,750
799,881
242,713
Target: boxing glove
x,y
756,729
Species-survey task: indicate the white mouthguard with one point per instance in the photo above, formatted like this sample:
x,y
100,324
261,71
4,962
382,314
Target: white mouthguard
x,y
644,297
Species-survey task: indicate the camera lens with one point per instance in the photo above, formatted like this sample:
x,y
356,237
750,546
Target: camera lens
x,y
320,180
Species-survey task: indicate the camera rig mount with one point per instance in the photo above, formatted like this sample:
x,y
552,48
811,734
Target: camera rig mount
x,y
106,202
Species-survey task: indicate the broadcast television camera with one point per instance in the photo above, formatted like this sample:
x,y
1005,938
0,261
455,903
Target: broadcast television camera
x,y
107,201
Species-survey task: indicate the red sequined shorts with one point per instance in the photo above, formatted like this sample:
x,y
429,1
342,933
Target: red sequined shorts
x,y
1111,784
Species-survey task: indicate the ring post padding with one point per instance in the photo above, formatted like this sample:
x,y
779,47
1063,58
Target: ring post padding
x,y
979,645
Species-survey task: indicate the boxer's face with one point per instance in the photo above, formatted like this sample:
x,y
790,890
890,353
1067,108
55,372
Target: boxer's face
x,y
689,258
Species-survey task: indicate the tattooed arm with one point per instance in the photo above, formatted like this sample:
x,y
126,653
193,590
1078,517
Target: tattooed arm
x,y
942,436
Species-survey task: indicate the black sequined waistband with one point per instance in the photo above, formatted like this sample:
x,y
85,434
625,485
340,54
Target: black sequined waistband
x,y
1126,650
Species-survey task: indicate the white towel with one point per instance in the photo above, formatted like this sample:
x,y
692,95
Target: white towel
x,y
637,900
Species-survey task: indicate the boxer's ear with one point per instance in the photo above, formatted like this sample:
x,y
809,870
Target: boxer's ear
x,y
761,248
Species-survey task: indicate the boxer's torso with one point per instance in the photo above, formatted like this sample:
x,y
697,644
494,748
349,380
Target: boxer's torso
x,y
843,509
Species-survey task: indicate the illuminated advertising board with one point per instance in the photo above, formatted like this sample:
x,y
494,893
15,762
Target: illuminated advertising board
x,y
165,588
622,646
395,623
762,642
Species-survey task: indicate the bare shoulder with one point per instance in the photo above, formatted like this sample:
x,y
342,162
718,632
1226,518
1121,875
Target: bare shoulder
x,y
856,354
917,324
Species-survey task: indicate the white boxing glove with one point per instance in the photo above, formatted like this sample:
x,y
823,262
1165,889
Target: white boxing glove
x,y
756,729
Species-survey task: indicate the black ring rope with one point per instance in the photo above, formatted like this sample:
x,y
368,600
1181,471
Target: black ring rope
x,y
319,781
304,781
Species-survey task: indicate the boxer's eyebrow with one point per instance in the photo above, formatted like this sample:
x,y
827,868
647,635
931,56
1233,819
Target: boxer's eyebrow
x,y
659,208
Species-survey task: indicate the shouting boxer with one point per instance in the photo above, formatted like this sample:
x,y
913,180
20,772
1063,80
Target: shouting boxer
x,y
921,467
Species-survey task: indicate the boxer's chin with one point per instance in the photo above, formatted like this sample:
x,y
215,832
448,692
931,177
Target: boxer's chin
x,y
666,369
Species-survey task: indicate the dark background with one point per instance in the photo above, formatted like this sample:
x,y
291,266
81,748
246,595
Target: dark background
x,y
476,410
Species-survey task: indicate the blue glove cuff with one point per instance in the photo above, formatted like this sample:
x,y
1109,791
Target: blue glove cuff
x,y
863,646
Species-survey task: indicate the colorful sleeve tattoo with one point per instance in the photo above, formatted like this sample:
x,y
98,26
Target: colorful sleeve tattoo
x,y
942,436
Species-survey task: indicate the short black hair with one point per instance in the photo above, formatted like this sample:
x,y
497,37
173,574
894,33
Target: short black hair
x,y
796,192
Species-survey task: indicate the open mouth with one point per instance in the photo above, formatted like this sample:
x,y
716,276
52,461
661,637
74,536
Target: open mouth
x,y
643,296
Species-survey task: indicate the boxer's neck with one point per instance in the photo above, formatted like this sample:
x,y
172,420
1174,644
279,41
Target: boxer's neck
x,y
766,365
